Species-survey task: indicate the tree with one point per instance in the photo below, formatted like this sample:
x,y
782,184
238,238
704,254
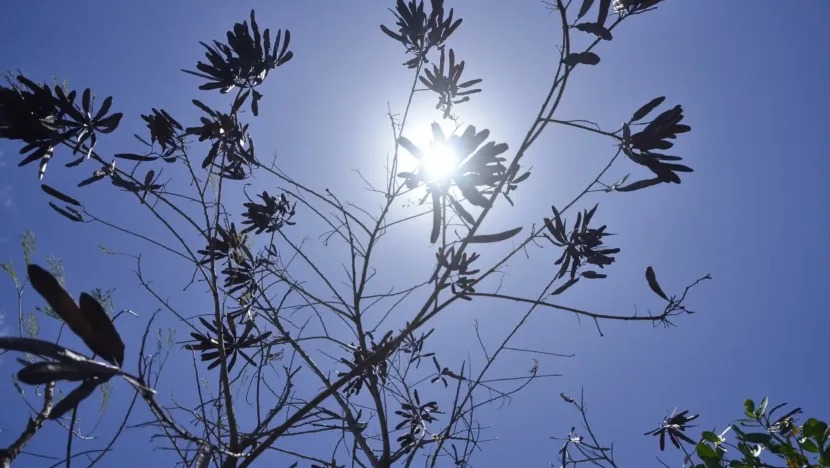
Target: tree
x,y
304,341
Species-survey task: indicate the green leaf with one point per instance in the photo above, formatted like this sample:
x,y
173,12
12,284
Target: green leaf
x,y
485,238
710,436
762,409
807,445
757,438
706,452
815,429
749,408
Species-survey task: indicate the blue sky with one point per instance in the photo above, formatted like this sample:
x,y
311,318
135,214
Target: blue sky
x,y
750,75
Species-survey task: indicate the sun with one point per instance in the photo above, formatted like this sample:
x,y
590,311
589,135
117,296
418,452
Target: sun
x,y
439,162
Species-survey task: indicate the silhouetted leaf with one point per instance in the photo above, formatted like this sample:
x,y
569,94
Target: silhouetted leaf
x,y
604,6
565,286
595,29
74,398
640,184
647,108
60,196
485,238
586,5
39,348
436,218
69,215
40,373
94,178
107,341
653,284
134,157
593,275
587,58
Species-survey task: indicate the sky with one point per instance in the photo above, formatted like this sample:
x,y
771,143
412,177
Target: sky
x,y
751,77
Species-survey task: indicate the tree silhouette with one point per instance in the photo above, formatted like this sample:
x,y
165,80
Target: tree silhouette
x,y
279,312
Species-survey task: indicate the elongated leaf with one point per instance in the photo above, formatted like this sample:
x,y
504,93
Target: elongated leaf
x,y
653,284
71,216
60,196
604,6
640,184
105,340
586,5
647,108
74,398
565,286
44,372
61,302
135,157
498,237
39,348
436,218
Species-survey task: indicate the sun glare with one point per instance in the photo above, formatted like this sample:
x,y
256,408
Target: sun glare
x,y
439,162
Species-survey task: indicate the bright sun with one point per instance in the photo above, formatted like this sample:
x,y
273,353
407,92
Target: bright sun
x,y
439,162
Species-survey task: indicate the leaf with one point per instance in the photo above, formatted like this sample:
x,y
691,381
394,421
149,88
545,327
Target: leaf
x,y
593,275
653,284
596,30
586,5
706,452
41,373
107,341
757,438
486,238
565,286
640,184
815,428
587,58
39,348
604,6
71,216
647,108
436,218
60,196
74,398
135,157
89,322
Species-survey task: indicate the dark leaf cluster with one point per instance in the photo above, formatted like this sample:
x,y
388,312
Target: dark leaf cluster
x,y
415,346
232,149
165,130
459,266
419,32
479,171
208,343
90,322
143,188
623,7
674,426
244,61
415,416
583,245
43,118
444,80
378,370
642,147
270,215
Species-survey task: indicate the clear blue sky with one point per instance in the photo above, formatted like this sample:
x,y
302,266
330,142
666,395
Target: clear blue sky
x,y
752,77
